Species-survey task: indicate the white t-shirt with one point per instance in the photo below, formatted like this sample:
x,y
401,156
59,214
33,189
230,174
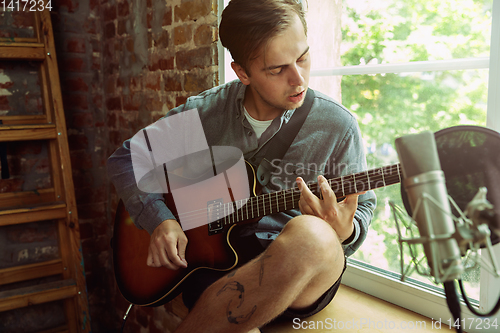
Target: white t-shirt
x,y
259,126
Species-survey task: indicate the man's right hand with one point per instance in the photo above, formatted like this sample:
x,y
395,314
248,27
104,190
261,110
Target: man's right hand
x,y
167,246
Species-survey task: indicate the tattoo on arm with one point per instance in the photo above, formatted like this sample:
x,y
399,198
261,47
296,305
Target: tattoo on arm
x,y
240,292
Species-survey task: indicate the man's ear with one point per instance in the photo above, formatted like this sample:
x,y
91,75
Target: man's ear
x,y
241,73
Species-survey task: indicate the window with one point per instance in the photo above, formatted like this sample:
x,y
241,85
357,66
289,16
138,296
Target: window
x,y
403,67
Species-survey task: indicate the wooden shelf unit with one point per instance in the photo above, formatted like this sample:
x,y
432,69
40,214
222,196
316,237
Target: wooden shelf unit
x,y
55,203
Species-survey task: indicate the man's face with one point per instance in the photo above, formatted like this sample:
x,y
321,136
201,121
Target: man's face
x,y
279,77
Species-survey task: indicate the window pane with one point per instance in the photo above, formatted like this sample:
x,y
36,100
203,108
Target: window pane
x,y
20,88
390,31
28,243
28,165
392,105
16,23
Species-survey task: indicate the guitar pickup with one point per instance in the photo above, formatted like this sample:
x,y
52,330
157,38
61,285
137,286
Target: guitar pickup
x,y
215,228
214,216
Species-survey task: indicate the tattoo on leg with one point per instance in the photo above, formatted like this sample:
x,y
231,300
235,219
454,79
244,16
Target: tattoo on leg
x,y
261,272
239,319
236,286
240,291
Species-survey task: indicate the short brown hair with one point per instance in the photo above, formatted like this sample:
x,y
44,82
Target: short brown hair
x,y
246,25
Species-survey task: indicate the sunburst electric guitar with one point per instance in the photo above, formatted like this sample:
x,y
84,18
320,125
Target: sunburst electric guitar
x,y
209,245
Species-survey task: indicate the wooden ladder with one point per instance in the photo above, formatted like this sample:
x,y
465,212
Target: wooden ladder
x,y
60,278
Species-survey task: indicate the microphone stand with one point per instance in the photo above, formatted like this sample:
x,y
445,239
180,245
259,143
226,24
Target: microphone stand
x,y
468,231
453,303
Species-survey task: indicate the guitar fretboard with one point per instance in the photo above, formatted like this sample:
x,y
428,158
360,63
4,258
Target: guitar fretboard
x,y
279,201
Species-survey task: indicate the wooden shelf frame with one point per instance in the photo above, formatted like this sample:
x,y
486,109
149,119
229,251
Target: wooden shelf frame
x,y
55,203
38,294
22,52
32,271
26,214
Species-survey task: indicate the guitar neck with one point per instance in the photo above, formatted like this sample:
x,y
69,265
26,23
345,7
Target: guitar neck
x,y
365,180
275,202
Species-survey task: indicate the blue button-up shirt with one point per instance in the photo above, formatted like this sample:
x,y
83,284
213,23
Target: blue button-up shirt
x,y
329,143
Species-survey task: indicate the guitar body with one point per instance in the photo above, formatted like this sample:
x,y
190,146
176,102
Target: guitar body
x,y
154,286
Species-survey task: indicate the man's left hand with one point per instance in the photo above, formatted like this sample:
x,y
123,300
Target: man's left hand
x,y
339,215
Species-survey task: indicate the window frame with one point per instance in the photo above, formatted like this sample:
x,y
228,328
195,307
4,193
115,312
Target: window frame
x,y
414,296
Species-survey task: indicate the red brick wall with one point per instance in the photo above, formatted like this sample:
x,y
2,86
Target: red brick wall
x,y
78,36
123,64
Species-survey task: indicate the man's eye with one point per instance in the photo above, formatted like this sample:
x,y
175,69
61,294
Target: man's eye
x,y
276,71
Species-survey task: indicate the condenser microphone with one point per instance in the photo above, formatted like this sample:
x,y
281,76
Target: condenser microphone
x,y
425,186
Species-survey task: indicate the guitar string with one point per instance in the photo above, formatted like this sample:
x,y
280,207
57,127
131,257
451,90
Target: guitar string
x,y
283,198
378,173
242,215
279,195
255,202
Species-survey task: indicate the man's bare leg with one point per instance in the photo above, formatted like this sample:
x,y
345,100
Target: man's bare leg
x,y
297,268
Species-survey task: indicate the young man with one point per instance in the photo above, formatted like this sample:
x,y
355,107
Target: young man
x,y
298,256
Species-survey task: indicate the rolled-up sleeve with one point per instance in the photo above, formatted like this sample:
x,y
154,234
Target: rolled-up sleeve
x,y
147,210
